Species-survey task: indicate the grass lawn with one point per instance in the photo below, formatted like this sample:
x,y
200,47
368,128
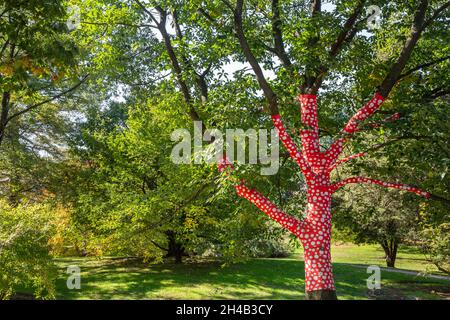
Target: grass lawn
x,y
255,279
409,258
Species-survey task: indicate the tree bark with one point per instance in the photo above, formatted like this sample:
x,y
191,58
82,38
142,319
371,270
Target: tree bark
x,y
397,68
321,295
175,247
4,114
390,249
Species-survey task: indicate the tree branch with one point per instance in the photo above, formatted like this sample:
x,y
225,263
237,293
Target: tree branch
x,y
285,220
334,187
437,93
396,69
435,15
346,35
4,113
352,126
206,15
199,78
149,13
422,66
120,24
278,36
33,106
158,245
268,92
346,159
310,78
291,147
173,58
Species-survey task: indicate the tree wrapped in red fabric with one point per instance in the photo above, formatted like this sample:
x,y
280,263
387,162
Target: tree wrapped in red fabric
x,y
314,231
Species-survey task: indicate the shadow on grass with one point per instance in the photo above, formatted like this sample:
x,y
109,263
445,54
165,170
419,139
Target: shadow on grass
x,y
256,279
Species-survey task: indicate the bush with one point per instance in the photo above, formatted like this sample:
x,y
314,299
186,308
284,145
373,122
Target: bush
x,y
25,263
269,248
436,245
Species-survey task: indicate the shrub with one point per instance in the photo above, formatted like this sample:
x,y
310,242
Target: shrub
x,y
25,263
436,246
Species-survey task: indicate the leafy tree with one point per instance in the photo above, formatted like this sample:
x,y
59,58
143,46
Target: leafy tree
x,y
37,53
157,65
24,253
128,197
372,215
38,69
435,239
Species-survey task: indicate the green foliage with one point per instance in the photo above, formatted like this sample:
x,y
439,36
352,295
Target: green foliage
x,y
435,244
375,215
25,262
129,197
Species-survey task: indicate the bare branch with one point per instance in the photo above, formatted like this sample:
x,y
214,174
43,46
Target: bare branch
x,y
278,36
268,92
435,15
423,66
396,69
33,106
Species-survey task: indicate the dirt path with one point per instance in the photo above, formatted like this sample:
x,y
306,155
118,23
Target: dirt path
x,y
409,272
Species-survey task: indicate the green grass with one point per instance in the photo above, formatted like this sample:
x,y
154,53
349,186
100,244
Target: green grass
x,y
255,279
408,258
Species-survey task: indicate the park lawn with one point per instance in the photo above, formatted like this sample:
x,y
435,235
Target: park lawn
x,y
408,258
255,279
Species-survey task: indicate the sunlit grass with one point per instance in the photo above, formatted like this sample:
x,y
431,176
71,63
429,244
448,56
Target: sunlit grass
x,y
408,258
255,279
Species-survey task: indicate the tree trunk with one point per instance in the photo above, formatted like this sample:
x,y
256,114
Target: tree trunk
x,y
321,295
390,249
176,248
179,254
316,241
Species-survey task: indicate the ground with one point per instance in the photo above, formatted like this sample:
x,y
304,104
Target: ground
x,y
110,278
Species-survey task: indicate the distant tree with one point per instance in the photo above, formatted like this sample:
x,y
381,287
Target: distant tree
x,y
126,196
435,240
373,215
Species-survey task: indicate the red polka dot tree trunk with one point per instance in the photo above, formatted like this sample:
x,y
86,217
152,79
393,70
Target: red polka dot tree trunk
x,y
314,231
